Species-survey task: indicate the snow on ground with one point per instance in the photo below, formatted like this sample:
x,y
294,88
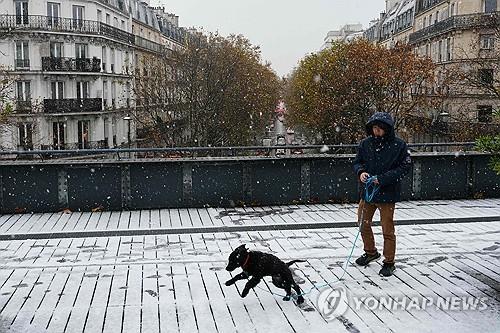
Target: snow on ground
x,y
175,282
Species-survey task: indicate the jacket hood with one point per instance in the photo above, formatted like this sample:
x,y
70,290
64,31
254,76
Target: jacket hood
x,y
382,117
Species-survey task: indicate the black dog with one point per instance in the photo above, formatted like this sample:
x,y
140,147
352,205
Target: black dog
x,y
257,265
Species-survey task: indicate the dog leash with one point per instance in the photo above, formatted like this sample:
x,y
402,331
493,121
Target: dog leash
x,y
371,189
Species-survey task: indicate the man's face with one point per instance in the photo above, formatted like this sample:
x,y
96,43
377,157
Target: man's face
x,y
377,131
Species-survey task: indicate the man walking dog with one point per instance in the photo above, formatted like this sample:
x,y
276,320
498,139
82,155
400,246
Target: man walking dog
x,y
384,157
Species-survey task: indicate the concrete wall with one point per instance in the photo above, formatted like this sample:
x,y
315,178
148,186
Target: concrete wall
x,y
54,185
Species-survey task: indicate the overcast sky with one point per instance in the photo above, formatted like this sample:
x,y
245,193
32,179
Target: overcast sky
x,y
286,30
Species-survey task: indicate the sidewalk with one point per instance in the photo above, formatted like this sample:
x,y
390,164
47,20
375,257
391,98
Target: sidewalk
x,y
199,220
175,282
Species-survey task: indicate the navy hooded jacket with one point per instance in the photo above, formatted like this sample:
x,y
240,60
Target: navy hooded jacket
x,y
386,157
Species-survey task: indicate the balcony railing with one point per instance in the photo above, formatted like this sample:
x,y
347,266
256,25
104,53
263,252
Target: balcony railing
x,y
53,64
120,4
23,106
59,24
489,20
22,63
72,105
102,144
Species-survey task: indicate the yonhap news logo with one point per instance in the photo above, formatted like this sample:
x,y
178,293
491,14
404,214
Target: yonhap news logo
x,y
333,303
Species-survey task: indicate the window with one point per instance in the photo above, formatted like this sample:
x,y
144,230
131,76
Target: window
x,y
104,58
123,25
448,49
99,15
106,131
115,22
83,134
436,19
22,54
58,134
440,51
21,12
425,22
112,60
81,51
53,13
127,94
23,91
25,133
82,90
452,9
105,92
56,49
57,89
127,62
490,6
78,16
487,42
113,94
108,19
486,76
485,113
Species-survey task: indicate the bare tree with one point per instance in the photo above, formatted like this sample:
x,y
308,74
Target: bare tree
x,y
215,91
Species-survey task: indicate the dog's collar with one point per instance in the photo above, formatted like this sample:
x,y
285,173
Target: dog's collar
x,y
246,261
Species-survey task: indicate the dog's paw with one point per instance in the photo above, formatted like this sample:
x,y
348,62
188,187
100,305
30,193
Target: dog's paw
x,y
286,298
300,300
229,282
244,293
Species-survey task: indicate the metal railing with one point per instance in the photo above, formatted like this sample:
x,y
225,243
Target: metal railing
x,y
60,24
482,20
58,64
90,145
230,152
72,105
120,4
422,6
22,106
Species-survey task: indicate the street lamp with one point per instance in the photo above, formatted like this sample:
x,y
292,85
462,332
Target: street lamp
x,y
128,119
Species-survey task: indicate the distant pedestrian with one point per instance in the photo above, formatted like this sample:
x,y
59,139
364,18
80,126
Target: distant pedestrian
x,y
386,157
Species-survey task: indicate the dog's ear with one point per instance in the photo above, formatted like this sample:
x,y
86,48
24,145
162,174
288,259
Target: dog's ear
x,y
242,247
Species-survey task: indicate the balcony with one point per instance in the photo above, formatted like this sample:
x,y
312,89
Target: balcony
x,y
85,65
72,105
23,106
101,144
461,22
22,64
59,24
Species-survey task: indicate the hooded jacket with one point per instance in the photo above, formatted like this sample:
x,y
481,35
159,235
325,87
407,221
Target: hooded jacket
x,y
386,157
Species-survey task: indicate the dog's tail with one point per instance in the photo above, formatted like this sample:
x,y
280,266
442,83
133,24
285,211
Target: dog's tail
x,y
293,262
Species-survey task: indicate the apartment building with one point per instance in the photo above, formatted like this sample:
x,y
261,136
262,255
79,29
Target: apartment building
x,y
73,63
346,33
461,34
458,36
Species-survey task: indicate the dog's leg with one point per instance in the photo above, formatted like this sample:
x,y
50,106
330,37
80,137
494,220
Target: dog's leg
x,y
240,276
288,290
250,284
300,299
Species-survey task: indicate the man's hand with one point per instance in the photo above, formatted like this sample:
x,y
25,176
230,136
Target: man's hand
x,y
375,181
364,177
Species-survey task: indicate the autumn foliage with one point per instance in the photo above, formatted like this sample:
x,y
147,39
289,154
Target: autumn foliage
x,y
334,92
214,92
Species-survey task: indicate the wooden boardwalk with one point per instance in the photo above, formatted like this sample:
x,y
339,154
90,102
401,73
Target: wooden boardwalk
x,y
175,282
238,219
